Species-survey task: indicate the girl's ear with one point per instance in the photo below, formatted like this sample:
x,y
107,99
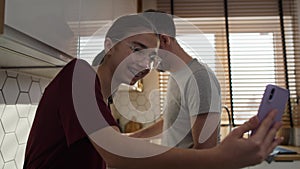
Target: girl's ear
x,y
108,44
165,41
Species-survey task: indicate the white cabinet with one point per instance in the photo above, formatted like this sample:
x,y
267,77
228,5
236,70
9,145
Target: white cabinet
x,y
44,20
40,36
57,22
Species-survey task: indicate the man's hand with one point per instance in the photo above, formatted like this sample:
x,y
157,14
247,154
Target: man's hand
x,y
241,152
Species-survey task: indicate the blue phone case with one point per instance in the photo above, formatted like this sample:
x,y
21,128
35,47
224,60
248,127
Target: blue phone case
x,y
274,97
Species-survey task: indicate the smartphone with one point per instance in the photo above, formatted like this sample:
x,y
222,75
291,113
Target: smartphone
x,y
274,97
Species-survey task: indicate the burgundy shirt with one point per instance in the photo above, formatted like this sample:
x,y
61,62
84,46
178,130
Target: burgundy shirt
x,y
57,139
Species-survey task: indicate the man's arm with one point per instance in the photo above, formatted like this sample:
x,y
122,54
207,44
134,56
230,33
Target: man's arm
x,y
234,152
204,104
149,132
198,123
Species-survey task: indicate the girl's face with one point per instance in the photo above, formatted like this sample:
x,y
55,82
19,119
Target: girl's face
x,y
131,58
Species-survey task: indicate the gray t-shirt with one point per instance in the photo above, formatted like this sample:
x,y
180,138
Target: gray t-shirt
x,y
192,91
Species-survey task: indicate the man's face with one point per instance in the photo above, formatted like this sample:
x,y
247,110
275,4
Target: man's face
x,y
131,57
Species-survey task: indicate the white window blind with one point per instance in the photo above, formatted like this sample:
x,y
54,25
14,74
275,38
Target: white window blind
x,y
90,38
163,81
253,43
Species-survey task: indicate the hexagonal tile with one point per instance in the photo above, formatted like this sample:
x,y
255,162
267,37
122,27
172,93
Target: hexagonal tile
x,y
2,78
10,118
22,130
149,117
10,91
1,162
24,82
1,134
23,104
123,110
123,100
148,105
20,156
2,104
154,94
35,79
12,74
156,111
43,84
2,101
133,95
124,94
10,165
23,98
141,119
35,93
153,102
31,114
128,116
9,147
116,99
23,109
134,104
142,109
141,100
132,107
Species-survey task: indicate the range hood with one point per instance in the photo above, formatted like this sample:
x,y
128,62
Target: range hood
x,y
23,53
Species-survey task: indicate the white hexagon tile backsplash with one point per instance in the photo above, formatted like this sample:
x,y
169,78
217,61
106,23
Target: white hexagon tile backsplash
x,y
19,97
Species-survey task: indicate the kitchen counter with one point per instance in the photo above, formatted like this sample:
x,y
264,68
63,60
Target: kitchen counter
x,y
281,161
289,157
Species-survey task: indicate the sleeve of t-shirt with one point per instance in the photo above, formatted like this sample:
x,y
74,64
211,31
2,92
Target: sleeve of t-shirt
x,y
203,93
82,110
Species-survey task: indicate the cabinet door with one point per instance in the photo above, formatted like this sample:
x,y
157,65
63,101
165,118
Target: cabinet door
x,y
61,23
45,20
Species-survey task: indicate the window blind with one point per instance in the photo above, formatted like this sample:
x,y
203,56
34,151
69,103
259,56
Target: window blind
x,y
163,81
90,38
255,42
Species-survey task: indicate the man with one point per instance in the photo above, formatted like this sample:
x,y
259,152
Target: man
x,y
192,109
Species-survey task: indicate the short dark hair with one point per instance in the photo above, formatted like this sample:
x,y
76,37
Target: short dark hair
x,y
162,21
